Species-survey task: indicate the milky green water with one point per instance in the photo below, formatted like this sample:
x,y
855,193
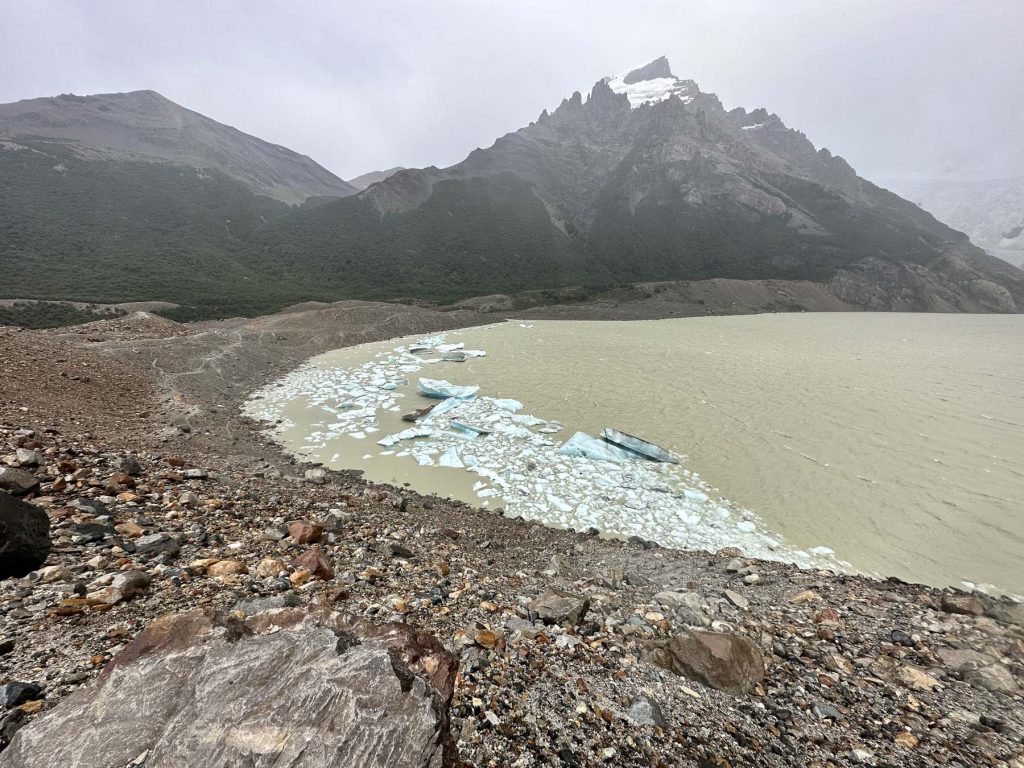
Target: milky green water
x,y
895,439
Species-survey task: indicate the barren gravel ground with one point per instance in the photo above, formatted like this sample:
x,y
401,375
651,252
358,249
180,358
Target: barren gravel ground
x,y
858,672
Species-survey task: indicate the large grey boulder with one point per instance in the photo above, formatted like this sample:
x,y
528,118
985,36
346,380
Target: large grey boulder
x,y
24,537
724,661
17,481
291,688
558,607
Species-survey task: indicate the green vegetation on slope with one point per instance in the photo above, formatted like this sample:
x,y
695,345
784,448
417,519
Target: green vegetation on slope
x,y
482,235
110,231
52,314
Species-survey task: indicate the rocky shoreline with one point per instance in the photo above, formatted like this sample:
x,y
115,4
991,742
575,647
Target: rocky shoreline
x,y
571,649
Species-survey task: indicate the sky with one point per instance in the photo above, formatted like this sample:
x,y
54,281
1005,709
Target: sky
x,y
900,88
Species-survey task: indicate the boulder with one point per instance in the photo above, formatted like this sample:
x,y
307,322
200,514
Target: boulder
x,y
689,608
24,537
303,532
727,662
1008,612
129,465
156,543
124,586
316,562
15,693
558,607
17,481
227,568
978,669
316,476
643,710
994,677
966,605
295,687
28,457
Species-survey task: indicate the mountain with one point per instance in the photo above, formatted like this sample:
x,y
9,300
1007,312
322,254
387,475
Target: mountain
x,y
362,182
990,212
123,197
144,126
647,179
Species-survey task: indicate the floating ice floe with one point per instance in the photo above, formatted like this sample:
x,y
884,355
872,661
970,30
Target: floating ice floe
x,y
582,482
439,388
582,444
637,445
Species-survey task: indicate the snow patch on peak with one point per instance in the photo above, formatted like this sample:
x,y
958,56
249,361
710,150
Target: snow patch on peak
x,y
652,83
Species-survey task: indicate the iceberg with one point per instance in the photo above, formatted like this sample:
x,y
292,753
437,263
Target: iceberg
x,y
637,445
440,389
583,445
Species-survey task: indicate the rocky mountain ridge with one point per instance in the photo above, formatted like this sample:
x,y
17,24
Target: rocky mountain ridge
x,y
649,157
363,181
143,125
646,180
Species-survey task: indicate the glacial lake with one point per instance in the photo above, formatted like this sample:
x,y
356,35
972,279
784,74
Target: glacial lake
x,y
889,444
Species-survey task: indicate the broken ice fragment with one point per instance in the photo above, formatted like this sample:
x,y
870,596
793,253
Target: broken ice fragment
x,y
638,445
582,444
472,428
507,404
440,389
450,458
447,405
527,421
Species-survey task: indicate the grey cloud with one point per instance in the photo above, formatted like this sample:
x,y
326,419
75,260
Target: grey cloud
x,y
911,88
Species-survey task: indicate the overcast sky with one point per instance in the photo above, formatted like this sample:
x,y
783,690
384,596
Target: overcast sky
x,y
899,88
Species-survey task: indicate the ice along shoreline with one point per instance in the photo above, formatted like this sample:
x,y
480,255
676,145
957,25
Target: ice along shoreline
x,y
520,461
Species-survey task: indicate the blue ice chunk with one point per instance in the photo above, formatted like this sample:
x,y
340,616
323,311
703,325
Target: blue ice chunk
x,y
449,404
471,428
440,389
582,444
507,404
450,458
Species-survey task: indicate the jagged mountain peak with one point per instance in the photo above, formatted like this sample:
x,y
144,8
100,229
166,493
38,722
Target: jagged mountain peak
x,y
652,83
652,71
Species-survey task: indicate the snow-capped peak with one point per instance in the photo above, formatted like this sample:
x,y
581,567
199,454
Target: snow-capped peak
x,y
652,83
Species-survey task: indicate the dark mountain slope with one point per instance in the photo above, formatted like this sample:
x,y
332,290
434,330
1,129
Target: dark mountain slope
x,y
653,180
647,179
115,230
